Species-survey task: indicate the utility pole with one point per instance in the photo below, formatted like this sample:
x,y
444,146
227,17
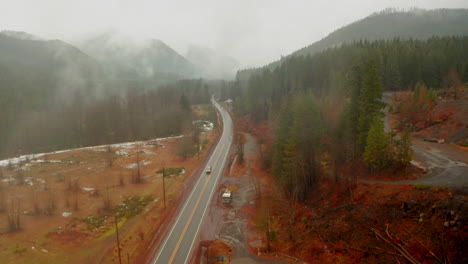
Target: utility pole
x,y
118,241
164,187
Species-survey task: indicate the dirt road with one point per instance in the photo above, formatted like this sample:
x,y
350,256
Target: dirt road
x,y
446,164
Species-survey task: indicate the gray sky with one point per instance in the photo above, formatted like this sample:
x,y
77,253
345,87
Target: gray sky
x,y
253,32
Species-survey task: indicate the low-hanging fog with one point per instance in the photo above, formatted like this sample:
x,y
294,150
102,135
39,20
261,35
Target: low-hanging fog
x,y
247,33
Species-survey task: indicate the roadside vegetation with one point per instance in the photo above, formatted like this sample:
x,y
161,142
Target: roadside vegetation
x,y
68,202
326,112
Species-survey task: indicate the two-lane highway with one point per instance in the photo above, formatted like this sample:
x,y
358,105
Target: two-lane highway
x,y
178,245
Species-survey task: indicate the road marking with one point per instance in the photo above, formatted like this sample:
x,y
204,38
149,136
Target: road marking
x,y
206,206
183,209
193,213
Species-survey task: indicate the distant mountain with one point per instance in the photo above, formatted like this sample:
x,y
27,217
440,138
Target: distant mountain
x,y
211,64
128,59
20,35
32,71
389,24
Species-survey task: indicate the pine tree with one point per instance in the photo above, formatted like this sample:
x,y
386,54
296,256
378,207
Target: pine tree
x,y
370,102
392,74
376,154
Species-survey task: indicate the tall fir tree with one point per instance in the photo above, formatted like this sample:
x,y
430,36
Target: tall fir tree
x,y
376,154
370,102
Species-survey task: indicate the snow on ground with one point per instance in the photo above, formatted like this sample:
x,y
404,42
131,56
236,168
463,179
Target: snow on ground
x,y
8,179
48,161
29,181
66,214
130,166
134,165
206,125
100,149
147,152
87,189
122,153
33,157
41,180
26,167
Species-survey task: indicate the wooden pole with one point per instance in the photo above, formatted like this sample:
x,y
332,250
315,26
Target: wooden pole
x,y
118,241
164,188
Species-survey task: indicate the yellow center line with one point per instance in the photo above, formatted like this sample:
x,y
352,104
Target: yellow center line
x,y
193,212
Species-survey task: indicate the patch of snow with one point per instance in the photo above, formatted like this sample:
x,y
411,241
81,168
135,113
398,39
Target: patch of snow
x,y
29,181
40,180
205,125
33,248
145,162
31,157
122,153
66,214
147,152
134,165
45,250
130,166
26,167
208,126
8,180
87,189
182,172
99,150
48,161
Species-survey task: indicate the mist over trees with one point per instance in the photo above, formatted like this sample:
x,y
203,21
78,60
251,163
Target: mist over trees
x,y
53,96
388,24
328,107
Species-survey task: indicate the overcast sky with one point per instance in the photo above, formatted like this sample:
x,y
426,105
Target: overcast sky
x,y
254,32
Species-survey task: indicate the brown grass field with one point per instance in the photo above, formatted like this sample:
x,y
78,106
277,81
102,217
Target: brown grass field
x,y
60,191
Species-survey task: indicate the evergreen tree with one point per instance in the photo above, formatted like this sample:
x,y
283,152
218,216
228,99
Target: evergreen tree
x,y
353,109
184,103
376,154
282,135
392,74
370,102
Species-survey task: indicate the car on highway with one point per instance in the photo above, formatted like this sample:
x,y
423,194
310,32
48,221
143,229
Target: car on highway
x,y
208,170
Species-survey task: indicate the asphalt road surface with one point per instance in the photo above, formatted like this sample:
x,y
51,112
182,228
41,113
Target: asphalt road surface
x,y
178,246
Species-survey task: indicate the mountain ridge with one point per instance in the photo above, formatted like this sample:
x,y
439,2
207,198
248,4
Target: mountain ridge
x,y
384,25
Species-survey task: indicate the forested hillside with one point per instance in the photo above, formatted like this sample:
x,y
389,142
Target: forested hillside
x,y
151,60
388,24
331,103
53,96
